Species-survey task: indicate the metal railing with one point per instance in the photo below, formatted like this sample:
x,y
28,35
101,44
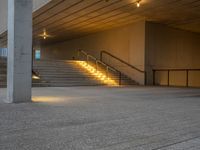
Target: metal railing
x,y
173,70
97,63
123,62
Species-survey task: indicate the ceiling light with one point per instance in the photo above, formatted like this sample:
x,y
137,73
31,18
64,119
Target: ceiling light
x,y
138,3
45,35
35,77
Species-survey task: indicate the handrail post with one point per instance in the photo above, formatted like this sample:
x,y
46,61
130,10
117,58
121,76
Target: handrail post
x,y
122,61
106,72
87,60
120,77
78,55
186,71
96,65
145,78
187,79
168,71
154,74
101,55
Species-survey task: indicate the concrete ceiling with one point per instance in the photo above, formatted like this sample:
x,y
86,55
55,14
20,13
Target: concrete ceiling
x,y
66,19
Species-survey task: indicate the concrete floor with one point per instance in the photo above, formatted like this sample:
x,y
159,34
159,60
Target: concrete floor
x,y
100,118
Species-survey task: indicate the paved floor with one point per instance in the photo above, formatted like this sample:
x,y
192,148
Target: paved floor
x,y
99,118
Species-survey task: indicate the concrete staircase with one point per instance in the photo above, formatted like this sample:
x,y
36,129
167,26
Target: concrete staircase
x,y
3,72
69,73
3,76
55,73
64,73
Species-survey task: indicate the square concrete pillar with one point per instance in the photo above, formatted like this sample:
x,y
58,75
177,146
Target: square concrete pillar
x,y
19,80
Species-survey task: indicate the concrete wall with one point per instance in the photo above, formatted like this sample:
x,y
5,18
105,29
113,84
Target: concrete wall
x,y
172,48
145,45
39,3
3,11
127,43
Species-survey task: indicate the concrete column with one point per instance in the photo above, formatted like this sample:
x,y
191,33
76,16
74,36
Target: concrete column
x,y
19,51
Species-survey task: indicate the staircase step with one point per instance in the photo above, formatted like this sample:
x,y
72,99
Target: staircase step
x,y
55,73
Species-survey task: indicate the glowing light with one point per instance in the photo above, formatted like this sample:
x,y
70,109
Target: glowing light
x,y
138,3
50,99
98,74
35,77
44,35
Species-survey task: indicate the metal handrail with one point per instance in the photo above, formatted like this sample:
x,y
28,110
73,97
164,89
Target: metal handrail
x,y
105,52
176,69
122,61
100,62
168,74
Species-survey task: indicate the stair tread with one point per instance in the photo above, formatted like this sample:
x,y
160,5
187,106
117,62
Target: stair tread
x,y
63,73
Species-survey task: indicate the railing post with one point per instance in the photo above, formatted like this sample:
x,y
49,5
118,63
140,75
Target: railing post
x,y
187,79
168,71
87,60
186,71
154,80
145,78
106,72
96,65
78,55
120,77
101,55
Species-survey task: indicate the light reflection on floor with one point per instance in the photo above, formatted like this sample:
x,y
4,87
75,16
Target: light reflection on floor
x,y
49,99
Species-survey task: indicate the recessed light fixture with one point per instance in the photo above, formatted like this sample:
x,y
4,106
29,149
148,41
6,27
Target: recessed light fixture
x,y
138,3
44,35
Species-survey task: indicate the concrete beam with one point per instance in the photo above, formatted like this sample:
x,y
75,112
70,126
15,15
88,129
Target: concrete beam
x,y
19,51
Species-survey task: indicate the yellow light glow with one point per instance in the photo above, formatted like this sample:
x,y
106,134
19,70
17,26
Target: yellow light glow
x,y
35,77
49,99
138,3
98,74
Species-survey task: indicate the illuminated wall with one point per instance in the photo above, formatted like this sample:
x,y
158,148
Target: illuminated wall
x,y
172,48
127,43
145,45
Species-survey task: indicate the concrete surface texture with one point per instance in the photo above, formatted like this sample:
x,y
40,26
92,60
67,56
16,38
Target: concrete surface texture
x,y
145,45
169,48
19,50
127,43
102,118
